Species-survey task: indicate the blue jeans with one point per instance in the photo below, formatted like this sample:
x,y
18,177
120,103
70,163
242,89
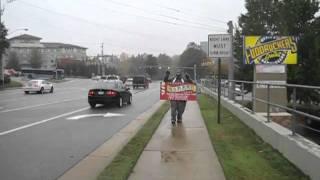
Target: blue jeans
x,y
177,109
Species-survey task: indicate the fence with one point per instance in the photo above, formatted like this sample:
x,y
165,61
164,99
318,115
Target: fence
x,y
244,92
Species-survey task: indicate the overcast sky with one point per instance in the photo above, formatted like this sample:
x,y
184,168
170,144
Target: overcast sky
x,y
131,26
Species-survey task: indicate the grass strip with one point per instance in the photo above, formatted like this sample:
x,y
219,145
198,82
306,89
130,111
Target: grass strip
x,y
122,165
242,154
13,84
58,81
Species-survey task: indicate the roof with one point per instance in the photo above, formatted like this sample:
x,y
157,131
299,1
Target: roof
x,y
60,45
26,36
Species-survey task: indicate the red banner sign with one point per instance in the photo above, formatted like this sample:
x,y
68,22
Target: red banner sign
x,y
178,91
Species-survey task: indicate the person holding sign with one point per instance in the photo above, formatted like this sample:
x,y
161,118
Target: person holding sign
x,y
177,106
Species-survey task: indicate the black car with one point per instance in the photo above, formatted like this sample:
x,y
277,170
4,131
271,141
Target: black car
x,y
109,92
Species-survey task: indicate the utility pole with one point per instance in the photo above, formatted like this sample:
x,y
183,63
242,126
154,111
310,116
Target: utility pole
x,y
103,65
195,73
231,85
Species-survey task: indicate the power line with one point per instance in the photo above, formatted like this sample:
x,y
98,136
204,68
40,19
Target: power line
x,y
176,10
162,21
162,15
106,41
84,20
110,27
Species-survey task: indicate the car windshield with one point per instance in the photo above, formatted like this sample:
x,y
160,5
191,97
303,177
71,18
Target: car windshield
x,y
106,85
112,78
33,82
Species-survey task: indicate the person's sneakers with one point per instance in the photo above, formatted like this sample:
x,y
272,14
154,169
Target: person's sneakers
x,y
173,122
179,121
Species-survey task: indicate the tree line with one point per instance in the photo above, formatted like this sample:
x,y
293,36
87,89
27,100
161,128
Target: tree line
x,y
289,18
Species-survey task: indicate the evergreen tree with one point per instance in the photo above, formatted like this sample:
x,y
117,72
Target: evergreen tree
x,y
35,59
4,44
286,17
151,65
193,56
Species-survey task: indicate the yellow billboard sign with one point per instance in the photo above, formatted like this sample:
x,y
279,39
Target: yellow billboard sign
x,y
270,50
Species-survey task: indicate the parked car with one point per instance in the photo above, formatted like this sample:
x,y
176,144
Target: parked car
x,y
113,77
109,92
39,86
103,77
96,78
140,81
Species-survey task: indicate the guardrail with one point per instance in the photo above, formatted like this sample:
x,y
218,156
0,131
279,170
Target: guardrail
x,y
240,91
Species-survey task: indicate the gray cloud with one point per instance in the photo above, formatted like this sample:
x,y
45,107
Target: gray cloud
x,y
122,25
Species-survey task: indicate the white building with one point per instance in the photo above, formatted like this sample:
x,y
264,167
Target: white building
x,y
50,52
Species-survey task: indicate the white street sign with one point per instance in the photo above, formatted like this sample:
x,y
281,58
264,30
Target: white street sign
x,y
73,118
219,45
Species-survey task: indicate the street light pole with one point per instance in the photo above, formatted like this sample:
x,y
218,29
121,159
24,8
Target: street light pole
x,y
2,68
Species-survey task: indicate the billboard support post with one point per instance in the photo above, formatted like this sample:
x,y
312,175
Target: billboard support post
x,y
231,85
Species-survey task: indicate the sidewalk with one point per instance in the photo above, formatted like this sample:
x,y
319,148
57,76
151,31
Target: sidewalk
x,y
180,152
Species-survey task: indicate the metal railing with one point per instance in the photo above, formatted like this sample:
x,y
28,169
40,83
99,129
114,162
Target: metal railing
x,y
212,85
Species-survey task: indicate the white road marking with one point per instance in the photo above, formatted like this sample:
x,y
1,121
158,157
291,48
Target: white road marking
x,y
84,116
42,121
74,118
38,105
10,93
112,115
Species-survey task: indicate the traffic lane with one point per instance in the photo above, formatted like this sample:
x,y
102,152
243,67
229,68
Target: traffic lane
x,y
9,93
34,100
78,89
21,117
47,98
12,118
14,100
48,150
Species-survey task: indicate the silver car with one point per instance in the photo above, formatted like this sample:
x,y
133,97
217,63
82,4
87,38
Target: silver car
x,y
39,86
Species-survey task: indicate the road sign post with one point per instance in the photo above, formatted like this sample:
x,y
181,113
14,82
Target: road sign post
x,y
219,89
219,46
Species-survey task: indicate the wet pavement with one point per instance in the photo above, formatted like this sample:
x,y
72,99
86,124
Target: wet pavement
x,y
38,141
177,152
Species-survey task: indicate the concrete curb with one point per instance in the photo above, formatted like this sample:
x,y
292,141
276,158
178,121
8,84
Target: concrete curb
x,y
90,167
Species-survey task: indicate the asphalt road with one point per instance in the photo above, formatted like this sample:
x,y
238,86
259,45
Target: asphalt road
x,y
39,141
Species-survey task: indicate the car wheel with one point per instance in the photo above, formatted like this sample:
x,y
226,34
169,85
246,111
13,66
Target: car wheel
x,y
120,102
51,90
41,91
26,92
92,105
130,100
